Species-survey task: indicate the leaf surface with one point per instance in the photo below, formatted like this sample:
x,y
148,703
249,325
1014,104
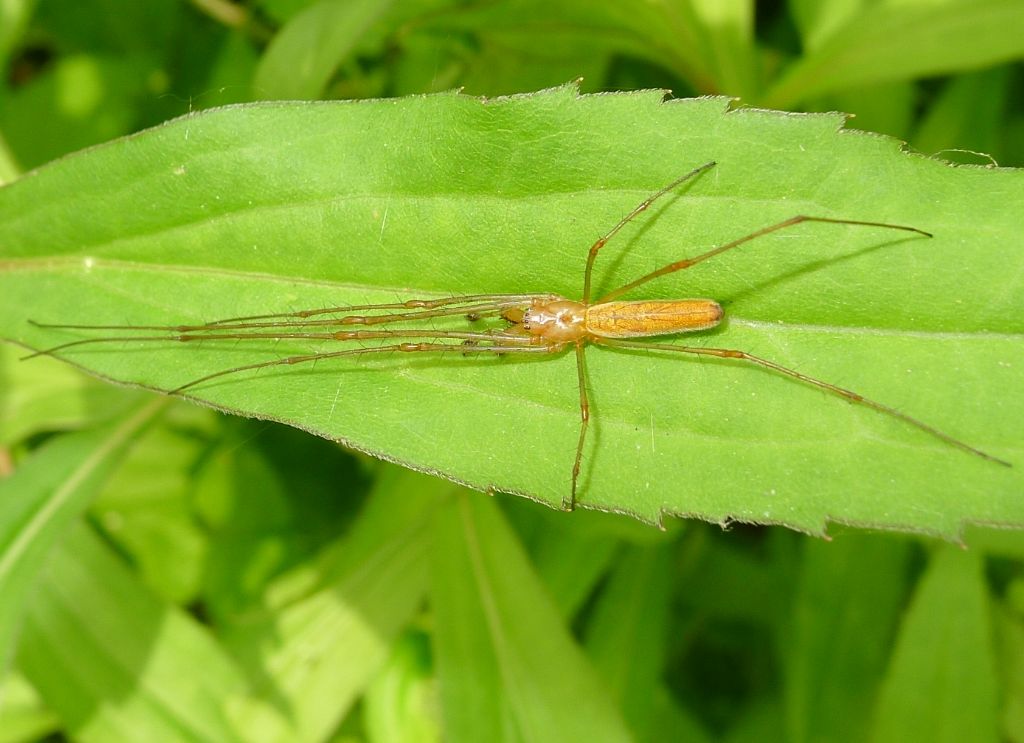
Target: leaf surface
x,y
278,207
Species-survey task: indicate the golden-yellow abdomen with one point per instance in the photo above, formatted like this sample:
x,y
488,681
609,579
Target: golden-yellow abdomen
x,y
647,318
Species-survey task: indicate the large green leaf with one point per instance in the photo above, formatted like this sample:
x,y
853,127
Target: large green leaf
x,y
277,207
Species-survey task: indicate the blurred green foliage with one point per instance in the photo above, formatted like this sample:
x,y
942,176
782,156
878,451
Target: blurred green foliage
x,y
167,573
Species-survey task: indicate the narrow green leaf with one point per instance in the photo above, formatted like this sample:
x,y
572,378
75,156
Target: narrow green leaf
x,y
301,59
278,207
115,663
845,612
727,28
941,684
627,635
509,670
329,626
46,494
817,20
900,41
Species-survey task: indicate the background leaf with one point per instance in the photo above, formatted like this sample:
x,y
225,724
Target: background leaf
x,y
845,610
882,42
322,631
273,208
114,662
44,497
944,651
306,54
506,665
